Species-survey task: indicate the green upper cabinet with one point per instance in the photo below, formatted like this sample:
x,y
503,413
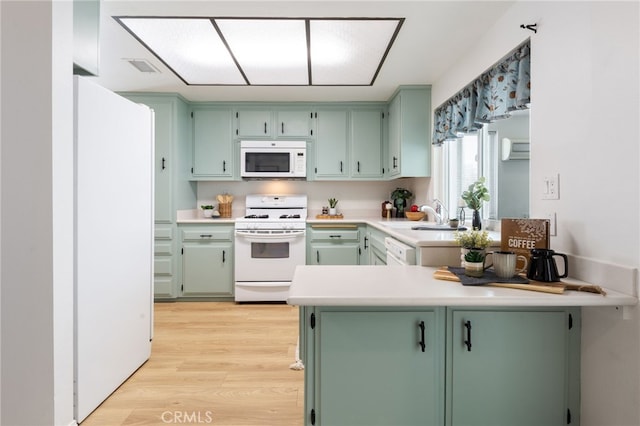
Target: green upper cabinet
x,y
293,123
213,148
366,144
253,123
331,142
271,122
409,132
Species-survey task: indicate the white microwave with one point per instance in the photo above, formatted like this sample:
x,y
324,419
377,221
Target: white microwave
x,y
273,159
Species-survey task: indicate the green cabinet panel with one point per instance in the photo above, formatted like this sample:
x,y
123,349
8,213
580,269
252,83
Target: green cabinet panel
x,y
86,37
253,123
207,269
375,249
512,366
207,261
508,368
374,371
366,144
333,246
213,153
335,254
293,123
331,141
409,133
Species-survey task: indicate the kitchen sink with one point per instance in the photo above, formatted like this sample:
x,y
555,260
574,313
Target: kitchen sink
x,y
419,226
436,228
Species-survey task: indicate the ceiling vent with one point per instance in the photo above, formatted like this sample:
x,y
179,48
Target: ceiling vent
x,y
142,65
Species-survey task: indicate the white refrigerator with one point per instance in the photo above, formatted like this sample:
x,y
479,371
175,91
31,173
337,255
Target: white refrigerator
x,y
113,241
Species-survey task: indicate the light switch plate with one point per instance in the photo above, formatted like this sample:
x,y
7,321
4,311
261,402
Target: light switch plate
x,y
551,188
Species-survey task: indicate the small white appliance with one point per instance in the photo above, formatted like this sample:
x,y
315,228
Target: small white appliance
x,y
273,159
399,253
270,241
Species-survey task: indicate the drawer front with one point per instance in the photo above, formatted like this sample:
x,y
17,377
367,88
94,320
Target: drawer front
x,y
163,232
162,266
162,248
205,234
335,235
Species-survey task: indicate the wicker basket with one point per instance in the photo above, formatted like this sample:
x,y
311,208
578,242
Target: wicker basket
x,y
224,209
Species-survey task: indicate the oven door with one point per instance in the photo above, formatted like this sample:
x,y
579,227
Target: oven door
x,y
268,255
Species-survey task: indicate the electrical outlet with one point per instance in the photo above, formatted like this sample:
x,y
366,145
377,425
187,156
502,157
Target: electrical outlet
x,y
552,224
551,188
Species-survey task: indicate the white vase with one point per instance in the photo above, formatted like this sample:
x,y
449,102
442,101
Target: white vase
x,y
207,212
333,211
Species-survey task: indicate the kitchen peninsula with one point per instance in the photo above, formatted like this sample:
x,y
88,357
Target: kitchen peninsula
x,y
393,345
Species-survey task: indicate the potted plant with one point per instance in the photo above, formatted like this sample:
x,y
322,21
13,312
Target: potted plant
x,y
474,263
207,210
333,202
471,241
474,196
400,197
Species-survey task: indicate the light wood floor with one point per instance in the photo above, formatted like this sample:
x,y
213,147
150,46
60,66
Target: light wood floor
x,y
213,363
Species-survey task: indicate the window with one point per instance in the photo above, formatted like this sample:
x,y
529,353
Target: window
x,y
465,160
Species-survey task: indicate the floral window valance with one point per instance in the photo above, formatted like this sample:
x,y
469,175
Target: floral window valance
x,y
503,88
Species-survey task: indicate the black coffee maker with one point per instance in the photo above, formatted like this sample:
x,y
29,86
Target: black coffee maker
x,y
542,266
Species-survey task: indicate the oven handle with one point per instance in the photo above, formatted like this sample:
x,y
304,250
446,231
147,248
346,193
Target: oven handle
x,y
270,237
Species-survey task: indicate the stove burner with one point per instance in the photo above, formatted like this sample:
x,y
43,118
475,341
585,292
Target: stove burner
x,y
290,216
256,216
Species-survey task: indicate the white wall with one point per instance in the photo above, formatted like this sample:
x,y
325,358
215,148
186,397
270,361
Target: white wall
x,y
584,126
354,198
36,219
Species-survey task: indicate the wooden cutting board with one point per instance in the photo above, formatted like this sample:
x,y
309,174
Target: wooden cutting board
x,y
555,288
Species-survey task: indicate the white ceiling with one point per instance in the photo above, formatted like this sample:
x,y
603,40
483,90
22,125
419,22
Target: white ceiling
x,y
434,36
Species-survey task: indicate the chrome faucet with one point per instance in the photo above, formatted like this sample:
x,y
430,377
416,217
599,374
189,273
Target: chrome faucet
x,y
429,209
439,209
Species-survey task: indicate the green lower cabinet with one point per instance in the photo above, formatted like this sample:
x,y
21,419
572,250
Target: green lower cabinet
x,y
374,371
512,367
334,246
207,262
478,366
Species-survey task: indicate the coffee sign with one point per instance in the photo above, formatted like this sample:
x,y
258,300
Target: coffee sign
x,y
523,235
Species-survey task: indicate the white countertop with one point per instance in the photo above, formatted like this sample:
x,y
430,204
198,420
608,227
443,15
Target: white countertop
x,y
415,286
395,227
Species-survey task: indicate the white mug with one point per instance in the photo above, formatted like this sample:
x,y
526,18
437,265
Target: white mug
x,y
504,263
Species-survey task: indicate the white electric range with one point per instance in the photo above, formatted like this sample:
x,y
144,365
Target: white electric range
x,y
270,241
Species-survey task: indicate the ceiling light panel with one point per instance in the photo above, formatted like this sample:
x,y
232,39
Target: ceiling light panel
x,y
349,51
191,47
269,51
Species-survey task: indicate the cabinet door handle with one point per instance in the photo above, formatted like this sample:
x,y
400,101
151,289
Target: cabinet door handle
x,y
265,127
224,256
206,235
422,343
164,160
317,257
341,167
358,167
335,236
467,325
366,241
224,166
282,126
395,162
